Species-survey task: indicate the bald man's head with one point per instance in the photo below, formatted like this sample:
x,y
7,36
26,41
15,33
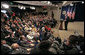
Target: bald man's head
x,y
15,46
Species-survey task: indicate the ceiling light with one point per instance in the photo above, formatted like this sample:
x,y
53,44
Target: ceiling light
x,y
48,2
24,8
3,11
82,2
71,4
5,5
21,7
32,8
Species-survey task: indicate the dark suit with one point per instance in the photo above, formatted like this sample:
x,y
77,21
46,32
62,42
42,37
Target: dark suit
x,y
19,50
66,23
5,49
39,51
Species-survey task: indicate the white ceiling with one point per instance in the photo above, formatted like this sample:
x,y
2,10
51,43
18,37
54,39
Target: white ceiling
x,y
45,3
41,3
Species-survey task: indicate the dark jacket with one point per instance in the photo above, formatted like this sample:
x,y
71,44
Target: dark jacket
x,y
39,51
20,50
5,50
70,49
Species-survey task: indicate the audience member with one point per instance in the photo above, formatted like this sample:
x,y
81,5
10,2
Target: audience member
x,y
42,48
16,49
5,48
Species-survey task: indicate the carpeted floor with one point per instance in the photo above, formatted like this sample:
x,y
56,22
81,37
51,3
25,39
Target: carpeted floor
x,y
72,26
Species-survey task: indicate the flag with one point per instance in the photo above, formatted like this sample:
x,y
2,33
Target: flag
x,y
73,14
70,14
